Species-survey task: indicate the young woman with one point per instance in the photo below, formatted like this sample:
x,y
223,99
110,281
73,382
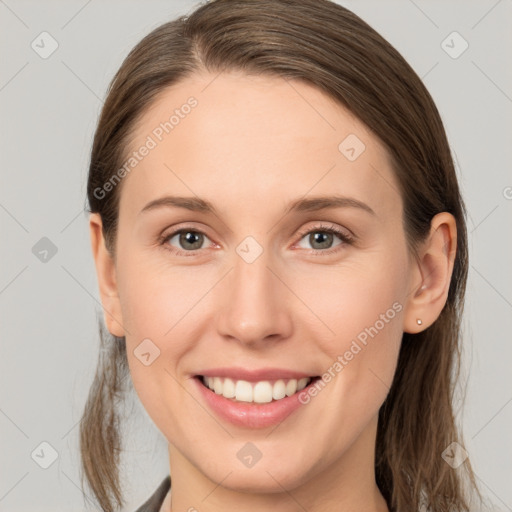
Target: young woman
x,y
280,246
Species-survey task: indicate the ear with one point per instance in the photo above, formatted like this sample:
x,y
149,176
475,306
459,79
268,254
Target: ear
x,y
431,274
106,273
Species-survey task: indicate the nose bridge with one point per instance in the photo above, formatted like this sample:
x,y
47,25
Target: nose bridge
x,y
255,306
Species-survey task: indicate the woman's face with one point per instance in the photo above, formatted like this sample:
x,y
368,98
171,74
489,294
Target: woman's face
x,y
257,282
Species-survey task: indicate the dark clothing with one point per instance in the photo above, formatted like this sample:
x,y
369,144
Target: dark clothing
x,y
154,503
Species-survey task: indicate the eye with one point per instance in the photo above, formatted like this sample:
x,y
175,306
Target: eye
x,y
322,237
187,240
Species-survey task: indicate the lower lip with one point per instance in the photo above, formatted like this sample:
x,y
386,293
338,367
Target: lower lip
x,y
249,414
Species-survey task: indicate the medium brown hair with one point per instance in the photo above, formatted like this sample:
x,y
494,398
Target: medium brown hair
x,y
329,47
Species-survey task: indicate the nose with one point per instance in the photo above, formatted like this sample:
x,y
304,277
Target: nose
x,y
254,303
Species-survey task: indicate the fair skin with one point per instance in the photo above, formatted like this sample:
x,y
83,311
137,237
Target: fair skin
x,y
251,147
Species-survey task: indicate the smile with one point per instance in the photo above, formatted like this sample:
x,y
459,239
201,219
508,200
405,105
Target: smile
x,y
256,399
257,392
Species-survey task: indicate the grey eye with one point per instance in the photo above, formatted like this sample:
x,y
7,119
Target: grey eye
x,y
188,240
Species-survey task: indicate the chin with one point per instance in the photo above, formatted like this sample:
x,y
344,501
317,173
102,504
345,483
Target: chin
x,y
260,482
261,478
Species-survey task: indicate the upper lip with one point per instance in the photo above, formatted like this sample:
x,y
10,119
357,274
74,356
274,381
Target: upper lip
x,y
255,375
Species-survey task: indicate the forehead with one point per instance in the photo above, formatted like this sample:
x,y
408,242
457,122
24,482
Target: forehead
x,y
246,140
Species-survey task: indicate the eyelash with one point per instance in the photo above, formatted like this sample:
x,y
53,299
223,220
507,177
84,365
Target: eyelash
x,y
344,237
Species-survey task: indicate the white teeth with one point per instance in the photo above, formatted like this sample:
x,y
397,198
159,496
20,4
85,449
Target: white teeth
x,y
243,391
259,392
291,387
279,390
217,385
229,389
262,392
302,383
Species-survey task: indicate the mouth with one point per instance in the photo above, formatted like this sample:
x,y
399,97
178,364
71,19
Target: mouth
x,y
259,392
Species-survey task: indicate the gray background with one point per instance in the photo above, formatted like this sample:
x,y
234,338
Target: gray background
x,y
49,339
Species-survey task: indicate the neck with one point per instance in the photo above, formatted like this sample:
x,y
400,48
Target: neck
x,y
347,484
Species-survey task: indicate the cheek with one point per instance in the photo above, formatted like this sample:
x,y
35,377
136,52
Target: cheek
x,y
154,297
362,309
349,299
154,304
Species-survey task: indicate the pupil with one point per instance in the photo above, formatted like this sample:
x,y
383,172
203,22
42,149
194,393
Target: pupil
x,y
317,237
191,238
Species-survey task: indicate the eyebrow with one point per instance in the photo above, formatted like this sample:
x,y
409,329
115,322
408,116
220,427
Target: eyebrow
x,y
313,204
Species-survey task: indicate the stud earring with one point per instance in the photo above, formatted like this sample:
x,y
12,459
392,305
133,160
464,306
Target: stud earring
x,y
419,321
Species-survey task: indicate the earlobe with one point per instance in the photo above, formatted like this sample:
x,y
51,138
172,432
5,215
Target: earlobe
x,y
106,274
431,275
